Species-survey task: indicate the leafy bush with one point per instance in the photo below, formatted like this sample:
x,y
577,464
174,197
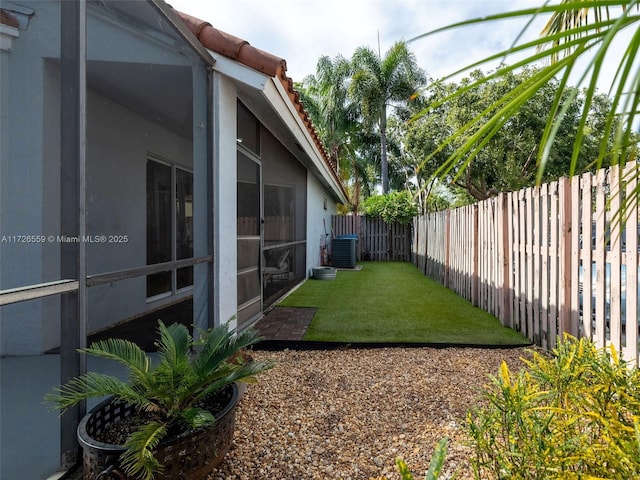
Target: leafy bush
x,y
392,207
575,414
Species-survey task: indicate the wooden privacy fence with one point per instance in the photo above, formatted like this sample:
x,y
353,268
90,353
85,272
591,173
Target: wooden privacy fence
x,y
377,240
545,260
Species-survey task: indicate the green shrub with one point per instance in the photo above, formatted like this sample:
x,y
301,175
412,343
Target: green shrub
x,y
575,414
392,207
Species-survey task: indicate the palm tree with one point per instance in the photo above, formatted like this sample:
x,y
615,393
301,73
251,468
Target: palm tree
x,y
337,119
333,114
574,32
380,82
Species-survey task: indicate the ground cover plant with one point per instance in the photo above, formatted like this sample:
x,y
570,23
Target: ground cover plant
x,y
395,302
573,414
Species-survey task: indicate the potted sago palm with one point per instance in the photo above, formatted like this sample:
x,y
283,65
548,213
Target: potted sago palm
x,y
173,418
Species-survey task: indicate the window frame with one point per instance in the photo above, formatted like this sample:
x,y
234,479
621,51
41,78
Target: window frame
x,y
173,270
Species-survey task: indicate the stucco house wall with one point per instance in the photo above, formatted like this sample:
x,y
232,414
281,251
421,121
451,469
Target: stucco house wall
x,y
320,208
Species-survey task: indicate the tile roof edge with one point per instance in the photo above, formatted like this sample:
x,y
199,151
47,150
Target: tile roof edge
x,y
7,19
233,47
243,52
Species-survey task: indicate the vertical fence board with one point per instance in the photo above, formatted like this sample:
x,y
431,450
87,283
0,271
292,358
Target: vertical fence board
x,y
529,261
496,267
514,222
630,352
537,261
574,304
586,254
615,310
599,260
423,243
505,247
522,270
553,264
492,264
481,255
474,264
565,256
544,277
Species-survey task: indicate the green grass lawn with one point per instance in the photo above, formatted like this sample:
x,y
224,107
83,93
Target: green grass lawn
x,y
395,302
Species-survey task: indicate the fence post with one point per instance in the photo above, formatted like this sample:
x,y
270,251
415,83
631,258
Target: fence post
x,y
414,242
565,256
630,213
575,255
447,246
425,226
474,274
505,314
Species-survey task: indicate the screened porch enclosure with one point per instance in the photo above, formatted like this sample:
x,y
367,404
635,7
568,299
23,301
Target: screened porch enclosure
x,y
106,169
272,205
285,220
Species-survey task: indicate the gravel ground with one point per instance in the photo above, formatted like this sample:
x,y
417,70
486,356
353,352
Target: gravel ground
x,y
348,414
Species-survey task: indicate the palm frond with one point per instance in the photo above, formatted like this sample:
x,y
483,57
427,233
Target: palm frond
x,y
138,459
174,365
209,353
173,345
570,35
125,352
244,373
220,345
197,417
92,385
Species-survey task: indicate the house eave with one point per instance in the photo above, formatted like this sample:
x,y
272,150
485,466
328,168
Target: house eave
x,y
276,94
239,72
7,34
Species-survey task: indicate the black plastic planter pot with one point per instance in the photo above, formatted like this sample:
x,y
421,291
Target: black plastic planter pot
x,y
191,455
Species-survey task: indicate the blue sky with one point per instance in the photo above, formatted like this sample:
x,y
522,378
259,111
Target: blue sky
x,y
300,31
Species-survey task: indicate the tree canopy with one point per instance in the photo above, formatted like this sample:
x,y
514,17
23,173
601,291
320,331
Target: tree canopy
x,y
578,33
523,123
507,160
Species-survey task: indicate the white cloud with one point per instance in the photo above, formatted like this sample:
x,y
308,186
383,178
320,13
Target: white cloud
x,y
300,31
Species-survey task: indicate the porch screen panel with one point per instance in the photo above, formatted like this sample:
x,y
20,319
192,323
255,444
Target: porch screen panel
x,y
159,196
73,252
37,230
248,130
184,226
285,207
248,238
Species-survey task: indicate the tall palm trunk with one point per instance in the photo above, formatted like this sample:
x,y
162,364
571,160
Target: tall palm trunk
x,y
384,164
382,81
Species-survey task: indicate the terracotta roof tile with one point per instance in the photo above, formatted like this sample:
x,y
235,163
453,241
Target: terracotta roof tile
x,y
7,19
241,51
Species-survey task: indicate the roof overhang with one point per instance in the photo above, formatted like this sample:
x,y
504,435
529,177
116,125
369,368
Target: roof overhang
x,y
269,100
